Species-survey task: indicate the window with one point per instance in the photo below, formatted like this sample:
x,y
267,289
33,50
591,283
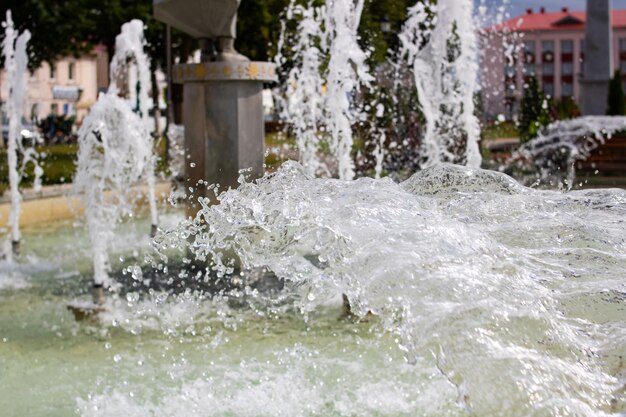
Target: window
x,y
529,46
547,46
567,47
53,71
529,69
548,68
54,108
510,90
510,110
509,71
34,111
622,67
548,89
70,71
567,68
567,90
622,45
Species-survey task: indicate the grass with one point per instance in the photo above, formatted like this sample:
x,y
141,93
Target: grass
x,y
500,131
59,161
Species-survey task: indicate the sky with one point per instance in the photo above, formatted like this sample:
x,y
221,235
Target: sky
x,y
518,7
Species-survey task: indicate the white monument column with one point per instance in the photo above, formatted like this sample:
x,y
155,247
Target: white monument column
x,y
598,62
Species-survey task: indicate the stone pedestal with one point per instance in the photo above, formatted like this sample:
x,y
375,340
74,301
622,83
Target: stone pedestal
x,y
224,124
598,65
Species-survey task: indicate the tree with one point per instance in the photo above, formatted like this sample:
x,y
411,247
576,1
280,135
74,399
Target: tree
x,y
534,113
616,101
56,27
381,22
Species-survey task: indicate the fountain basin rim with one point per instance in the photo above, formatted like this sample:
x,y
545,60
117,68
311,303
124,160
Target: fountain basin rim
x,y
225,71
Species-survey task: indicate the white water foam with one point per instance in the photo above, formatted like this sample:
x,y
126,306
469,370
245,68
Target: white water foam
x,y
481,281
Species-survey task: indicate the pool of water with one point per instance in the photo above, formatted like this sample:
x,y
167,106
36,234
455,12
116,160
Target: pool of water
x,y
485,298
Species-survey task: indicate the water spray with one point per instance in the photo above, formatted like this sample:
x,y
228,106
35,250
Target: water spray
x,y
16,65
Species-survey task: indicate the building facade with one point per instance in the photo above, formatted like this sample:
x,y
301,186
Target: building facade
x,y
548,45
68,87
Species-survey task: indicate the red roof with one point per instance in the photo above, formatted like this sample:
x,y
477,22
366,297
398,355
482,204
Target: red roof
x,y
563,20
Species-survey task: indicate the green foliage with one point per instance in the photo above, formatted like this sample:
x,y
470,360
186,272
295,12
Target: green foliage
x,y
499,130
73,27
375,13
57,161
616,100
258,27
534,113
563,109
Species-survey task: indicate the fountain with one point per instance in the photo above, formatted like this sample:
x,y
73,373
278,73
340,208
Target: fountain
x,y
16,64
441,44
129,48
470,293
563,143
115,153
312,112
303,103
223,102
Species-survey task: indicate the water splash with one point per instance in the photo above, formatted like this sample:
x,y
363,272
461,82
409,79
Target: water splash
x,y
347,72
563,143
321,99
116,149
16,66
440,43
131,66
304,85
477,278
112,158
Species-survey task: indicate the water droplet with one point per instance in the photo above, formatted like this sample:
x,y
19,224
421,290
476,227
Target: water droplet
x,y
117,358
311,296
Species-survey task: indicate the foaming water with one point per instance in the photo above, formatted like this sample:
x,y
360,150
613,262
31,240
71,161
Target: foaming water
x,y
477,279
563,143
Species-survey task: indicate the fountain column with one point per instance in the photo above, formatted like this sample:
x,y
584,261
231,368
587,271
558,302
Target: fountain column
x,y
598,63
223,100
224,125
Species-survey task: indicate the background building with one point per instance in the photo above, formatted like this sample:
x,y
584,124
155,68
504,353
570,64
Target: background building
x,y
68,87
548,45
